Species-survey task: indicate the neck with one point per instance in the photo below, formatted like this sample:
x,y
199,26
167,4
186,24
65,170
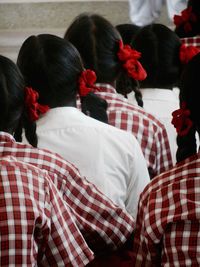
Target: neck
x,y
71,103
153,87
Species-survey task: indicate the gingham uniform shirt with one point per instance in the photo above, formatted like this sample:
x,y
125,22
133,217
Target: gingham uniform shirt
x,y
37,227
168,222
194,41
101,223
149,132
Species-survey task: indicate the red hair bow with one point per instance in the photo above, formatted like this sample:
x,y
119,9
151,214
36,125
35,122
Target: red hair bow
x,y
34,108
86,82
181,120
185,18
187,53
130,57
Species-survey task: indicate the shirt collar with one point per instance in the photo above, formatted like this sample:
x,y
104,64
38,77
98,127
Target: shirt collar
x,y
105,87
6,137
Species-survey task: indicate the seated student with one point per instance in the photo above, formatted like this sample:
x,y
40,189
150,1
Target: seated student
x,y
188,24
161,49
168,222
101,48
92,223
112,159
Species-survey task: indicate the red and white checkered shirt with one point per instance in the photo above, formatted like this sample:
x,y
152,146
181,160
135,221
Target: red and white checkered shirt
x,y
37,227
150,133
194,41
102,224
168,221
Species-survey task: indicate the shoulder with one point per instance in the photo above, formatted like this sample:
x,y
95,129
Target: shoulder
x,y
43,158
17,170
177,177
118,104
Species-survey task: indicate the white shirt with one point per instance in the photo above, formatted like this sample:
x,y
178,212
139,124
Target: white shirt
x,y
144,12
110,158
161,103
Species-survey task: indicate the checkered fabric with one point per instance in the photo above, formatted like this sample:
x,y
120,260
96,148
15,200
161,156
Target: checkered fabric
x,y
102,224
149,132
168,221
36,225
194,41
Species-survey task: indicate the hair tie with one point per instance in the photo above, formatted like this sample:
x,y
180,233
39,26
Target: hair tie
x,y
181,120
33,107
186,53
185,19
129,57
86,82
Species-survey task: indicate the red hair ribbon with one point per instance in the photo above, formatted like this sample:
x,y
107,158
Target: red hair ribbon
x,y
86,82
181,120
129,57
34,108
185,19
187,53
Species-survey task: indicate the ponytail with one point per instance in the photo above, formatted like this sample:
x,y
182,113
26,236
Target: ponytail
x,y
29,130
91,104
95,107
31,113
186,129
126,85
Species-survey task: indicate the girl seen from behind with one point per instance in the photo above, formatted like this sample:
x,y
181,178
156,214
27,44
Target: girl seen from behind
x,y
163,57
103,51
173,198
50,206
104,154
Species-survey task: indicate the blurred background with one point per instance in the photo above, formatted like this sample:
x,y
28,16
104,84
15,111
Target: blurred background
x,y
22,18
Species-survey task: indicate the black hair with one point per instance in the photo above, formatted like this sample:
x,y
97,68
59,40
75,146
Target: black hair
x,y
52,66
127,31
125,85
97,40
12,104
159,47
190,93
194,24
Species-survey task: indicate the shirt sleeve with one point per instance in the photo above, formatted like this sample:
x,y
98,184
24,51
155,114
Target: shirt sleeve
x,y
145,251
103,224
65,245
163,152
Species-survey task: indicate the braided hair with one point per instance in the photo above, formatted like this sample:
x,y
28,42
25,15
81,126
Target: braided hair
x,y
189,92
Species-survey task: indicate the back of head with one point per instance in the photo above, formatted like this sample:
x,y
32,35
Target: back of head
x,y
160,55
51,66
127,31
190,95
188,22
97,40
12,95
